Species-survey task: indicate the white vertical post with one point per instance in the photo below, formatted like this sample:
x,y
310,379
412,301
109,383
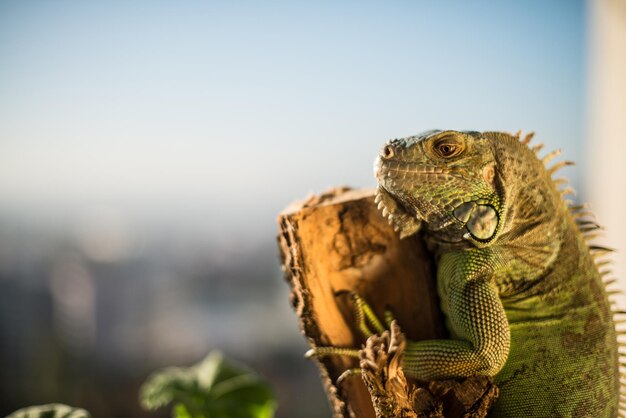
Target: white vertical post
x,y
606,137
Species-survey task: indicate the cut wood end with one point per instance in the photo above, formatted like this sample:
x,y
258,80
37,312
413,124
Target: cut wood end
x,y
333,196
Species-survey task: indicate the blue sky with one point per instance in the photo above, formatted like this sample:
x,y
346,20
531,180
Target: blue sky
x,y
230,110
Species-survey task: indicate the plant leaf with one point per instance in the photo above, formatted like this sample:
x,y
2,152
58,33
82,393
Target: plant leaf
x,y
213,388
53,410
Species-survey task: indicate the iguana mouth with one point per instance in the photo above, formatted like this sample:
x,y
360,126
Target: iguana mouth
x,y
402,169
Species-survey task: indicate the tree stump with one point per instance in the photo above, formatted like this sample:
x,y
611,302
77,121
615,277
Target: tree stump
x,y
337,243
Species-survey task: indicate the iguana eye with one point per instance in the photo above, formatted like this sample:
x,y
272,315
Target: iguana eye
x,y
448,149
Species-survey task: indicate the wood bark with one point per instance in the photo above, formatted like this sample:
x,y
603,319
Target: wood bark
x,y
337,243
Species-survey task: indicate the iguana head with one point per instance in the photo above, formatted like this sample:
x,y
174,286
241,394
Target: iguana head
x,y
446,179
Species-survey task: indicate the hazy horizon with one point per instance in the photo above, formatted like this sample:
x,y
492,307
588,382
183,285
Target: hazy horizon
x,y
203,112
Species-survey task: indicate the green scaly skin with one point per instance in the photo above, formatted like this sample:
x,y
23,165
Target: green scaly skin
x,y
518,283
523,299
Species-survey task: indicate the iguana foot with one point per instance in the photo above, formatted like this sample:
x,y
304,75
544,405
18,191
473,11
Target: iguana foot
x,y
364,314
368,324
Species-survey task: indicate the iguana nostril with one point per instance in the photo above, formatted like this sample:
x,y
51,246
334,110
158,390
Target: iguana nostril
x,y
388,152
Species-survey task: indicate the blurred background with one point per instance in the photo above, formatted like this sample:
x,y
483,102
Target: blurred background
x,y
146,148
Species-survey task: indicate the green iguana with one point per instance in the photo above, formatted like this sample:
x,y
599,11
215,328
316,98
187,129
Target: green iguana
x,y
519,284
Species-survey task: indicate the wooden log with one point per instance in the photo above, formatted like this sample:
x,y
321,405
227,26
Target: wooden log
x,y
336,243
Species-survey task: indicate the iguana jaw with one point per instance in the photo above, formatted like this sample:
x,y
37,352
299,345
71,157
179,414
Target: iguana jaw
x,y
399,218
403,212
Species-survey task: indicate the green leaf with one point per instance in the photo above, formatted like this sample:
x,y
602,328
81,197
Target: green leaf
x,y
180,411
55,410
213,388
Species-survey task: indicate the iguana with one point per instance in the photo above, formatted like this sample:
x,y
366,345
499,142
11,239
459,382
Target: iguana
x,y
519,283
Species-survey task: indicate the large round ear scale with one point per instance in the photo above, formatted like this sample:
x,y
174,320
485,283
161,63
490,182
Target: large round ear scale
x,y
483,222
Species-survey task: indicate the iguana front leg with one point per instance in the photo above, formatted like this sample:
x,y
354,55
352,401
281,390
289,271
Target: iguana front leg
x,y
477,322
479,329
